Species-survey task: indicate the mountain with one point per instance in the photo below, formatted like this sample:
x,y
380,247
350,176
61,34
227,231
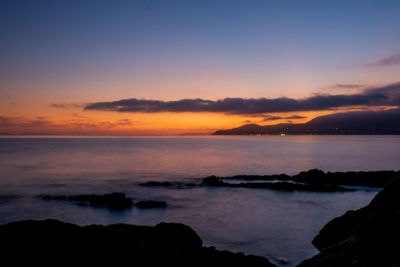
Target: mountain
x,y
360,122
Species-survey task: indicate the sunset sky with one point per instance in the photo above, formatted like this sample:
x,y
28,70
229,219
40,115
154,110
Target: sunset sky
x,y
171,67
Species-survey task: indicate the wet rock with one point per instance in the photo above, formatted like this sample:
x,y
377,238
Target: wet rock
x,y
286,186
156,183
371,178
55,243
281,186
279,177
113,201
146,204
50,197
213,181
367,237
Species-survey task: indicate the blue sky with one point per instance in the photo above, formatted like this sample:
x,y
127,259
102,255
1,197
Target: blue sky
x,y
88,51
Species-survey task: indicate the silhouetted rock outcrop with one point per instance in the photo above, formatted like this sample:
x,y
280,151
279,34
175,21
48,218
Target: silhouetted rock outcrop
x,y
156,183
168,184
55,243
371,178
213,181
281,186
367,237
146,204
114,201
279,177
317,177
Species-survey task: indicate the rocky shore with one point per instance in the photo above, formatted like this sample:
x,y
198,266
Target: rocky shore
x,y
311,180
319,177
366,237
55,243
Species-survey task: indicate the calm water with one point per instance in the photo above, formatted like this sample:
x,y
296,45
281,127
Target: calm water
x,y
257,221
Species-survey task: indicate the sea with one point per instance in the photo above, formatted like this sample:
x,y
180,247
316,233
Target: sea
x,y
275,224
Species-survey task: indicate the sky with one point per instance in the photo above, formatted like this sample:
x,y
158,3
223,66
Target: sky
x,y
95,67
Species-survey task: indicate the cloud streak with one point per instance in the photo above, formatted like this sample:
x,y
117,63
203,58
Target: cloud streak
x,y
61,106
389,61
383,96
350,86
273,118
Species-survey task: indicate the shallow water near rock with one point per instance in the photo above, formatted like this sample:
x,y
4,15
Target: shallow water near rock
x,y
258,221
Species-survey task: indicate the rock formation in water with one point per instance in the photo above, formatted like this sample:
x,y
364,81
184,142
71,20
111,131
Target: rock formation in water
x,y
146,204
366,237
55,243
316,177
281,186
361,178
113,201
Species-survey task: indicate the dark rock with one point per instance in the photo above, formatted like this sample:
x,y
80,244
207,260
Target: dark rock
x,y
285,186
114,201
311,176
59,197
367,237
46,197
282,186
371,178
212,181
156,183
146,204
279,177
50,197
55,243
81,197
315,177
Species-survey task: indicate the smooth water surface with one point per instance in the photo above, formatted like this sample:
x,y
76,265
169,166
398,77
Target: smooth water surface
x,y
257,221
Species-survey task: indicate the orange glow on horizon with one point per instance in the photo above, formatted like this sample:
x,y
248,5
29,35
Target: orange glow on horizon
x,y
75,121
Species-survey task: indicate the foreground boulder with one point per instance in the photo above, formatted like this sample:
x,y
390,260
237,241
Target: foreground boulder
x,y
55,243
366,237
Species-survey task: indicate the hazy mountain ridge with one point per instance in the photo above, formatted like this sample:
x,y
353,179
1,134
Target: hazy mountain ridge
x,y
361,122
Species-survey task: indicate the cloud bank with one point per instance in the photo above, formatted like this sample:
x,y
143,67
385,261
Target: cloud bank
x,y
383,96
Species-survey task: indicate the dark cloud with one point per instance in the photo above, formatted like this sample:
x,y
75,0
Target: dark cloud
x,y
391,90
392,60
350,86
241,105
383,96
295,117
272,118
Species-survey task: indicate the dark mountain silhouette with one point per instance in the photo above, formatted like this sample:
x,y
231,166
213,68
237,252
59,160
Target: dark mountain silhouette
x,y
361,122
